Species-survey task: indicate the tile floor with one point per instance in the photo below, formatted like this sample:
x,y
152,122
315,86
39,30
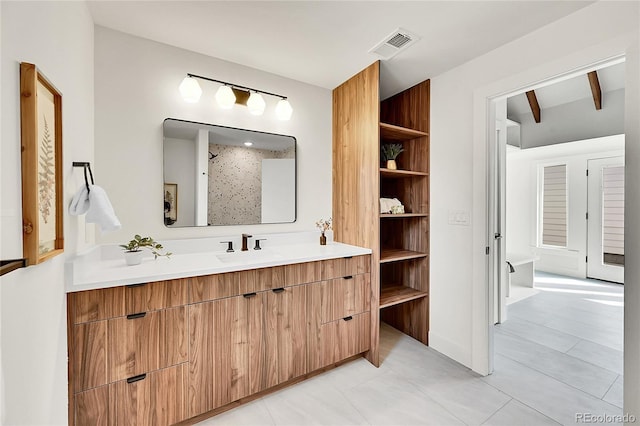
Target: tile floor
x,y
560,353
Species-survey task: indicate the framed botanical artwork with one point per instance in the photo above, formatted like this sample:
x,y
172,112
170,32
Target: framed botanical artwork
x,y
170,203
41,140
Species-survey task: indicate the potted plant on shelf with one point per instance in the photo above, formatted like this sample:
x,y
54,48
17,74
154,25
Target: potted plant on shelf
x,y
133,249
389,153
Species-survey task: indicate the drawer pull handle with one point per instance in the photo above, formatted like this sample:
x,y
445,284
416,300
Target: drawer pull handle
x,y
278,290
248,295
136,316
136,285
348,257
348,277
137,378
349,318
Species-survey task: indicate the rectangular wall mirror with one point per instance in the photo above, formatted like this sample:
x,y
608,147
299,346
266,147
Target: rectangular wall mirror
x,y
216,175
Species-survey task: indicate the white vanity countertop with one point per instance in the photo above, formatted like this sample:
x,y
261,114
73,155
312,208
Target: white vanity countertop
x,y
104,265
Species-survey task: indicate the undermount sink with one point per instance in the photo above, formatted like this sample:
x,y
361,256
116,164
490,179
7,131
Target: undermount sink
x,y
264,255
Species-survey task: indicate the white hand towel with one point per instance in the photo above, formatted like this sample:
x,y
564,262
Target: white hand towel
x,y
386,204
101,211
80,202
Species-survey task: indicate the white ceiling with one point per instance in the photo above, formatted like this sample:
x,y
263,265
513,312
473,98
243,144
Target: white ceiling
x,y
325,42
610,78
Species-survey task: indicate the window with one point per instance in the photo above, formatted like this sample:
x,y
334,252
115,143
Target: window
x,y
613,215
554,206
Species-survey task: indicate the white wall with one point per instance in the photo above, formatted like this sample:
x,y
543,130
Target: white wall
x,y
136,88
58,38
522,200
179,168
459,129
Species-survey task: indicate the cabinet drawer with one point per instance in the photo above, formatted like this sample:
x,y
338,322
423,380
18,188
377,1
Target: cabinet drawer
x,y
96,305
154,399
92,407
345,337
156,295
142,344
261,279
344,266
302,273
89,367
212,287
345,296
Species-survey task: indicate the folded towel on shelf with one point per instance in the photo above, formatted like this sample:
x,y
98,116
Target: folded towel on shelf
x,y
391,205
95,203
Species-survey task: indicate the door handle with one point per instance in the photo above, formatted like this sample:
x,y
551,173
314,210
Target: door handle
x,y
497,236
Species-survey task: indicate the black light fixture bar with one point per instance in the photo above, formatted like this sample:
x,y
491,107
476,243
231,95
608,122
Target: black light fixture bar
x,y
237,86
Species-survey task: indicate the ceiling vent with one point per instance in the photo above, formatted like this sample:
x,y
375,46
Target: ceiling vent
x,y
394,43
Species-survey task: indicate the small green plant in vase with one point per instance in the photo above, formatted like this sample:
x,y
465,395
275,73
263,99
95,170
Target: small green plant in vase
x,y
389,153
133,250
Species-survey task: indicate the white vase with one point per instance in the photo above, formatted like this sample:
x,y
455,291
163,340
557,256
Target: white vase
x,y
133,257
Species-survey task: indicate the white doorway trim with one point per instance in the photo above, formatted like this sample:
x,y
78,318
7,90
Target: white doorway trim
x,y
485,99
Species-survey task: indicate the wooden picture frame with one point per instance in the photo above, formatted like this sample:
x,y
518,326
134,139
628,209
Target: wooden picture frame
x,y
171,201
41,140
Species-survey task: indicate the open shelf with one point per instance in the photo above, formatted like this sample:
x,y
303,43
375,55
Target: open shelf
x,y
399,134
400,174
384,215
394,295
396,255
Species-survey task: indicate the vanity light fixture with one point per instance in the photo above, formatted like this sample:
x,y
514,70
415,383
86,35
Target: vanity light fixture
x,y
190,90
230,94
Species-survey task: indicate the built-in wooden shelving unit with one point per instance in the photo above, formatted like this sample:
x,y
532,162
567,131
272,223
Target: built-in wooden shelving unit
x,y
394,295
362,122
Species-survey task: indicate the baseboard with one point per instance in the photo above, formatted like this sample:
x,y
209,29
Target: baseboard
x,y
450,349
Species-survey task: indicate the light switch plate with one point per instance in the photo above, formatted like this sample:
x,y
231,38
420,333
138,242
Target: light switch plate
x,y
458,217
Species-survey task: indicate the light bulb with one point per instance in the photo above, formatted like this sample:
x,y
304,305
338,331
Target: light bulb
x,y
256,104
284,109
190,90
225,97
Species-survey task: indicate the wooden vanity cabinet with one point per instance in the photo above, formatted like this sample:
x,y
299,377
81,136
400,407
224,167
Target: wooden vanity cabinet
x,y
159,353
120,356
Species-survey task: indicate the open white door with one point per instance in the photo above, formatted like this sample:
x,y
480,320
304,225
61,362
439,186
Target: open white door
x,y
605,224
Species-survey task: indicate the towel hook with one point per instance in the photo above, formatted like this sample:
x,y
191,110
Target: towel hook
x,y
86,165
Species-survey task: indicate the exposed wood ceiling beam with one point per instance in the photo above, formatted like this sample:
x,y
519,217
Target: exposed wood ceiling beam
x,y
533,103
595,89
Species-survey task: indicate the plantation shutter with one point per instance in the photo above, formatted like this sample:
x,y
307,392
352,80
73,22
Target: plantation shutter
x,y
554,206
613,214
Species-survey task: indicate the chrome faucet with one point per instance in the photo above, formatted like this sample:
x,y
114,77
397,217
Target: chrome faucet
x,y
245,237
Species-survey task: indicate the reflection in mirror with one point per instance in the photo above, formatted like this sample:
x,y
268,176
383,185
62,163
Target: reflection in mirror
x,y
216,175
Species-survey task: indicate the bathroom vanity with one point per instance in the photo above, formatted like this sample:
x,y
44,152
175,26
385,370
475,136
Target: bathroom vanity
x,y
177,338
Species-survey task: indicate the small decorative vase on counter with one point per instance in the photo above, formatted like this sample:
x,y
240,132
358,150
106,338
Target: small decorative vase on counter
x,y
323,239
391,165
133,257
